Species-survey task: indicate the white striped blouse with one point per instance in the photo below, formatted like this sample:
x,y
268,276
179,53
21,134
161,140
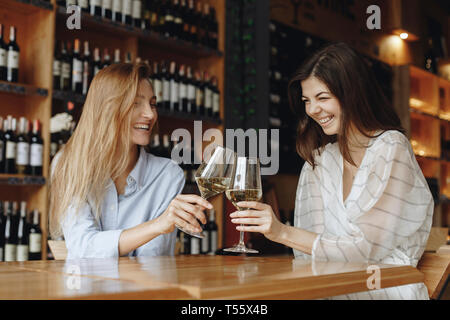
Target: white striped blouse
x,y
386,217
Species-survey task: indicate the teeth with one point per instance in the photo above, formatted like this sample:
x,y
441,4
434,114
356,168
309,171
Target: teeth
x,y
325,120
141,126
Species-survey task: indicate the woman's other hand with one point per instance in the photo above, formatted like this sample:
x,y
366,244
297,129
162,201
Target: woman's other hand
x,y
183,211
258,218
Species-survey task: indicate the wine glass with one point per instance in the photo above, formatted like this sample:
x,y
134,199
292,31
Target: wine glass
x,y
213,177
245,185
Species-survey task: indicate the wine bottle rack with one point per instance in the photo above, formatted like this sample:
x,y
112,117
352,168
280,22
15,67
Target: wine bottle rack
x,y
100,24
67,96
34,98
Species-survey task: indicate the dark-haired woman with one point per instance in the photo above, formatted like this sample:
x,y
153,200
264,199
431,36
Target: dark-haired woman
x,y
361,195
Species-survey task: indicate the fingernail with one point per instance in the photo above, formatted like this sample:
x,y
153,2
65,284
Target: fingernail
x,y
233,220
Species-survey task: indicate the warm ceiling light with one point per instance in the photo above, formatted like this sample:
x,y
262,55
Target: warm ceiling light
x,y
404,35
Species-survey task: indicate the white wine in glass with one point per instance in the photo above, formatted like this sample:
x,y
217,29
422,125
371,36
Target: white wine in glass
x,y
213,177
245,185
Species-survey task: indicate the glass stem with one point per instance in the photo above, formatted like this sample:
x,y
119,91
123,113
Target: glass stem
x,y
241,238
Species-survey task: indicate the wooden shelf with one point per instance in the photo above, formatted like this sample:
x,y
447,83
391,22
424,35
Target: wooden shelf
x,y
26,6
22,180
113,28
22,89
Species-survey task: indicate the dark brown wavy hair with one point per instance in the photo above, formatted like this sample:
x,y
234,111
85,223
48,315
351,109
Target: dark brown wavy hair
x,y
361,98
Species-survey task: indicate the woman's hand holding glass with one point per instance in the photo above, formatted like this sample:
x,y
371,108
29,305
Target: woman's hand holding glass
x,y
185,210
259,217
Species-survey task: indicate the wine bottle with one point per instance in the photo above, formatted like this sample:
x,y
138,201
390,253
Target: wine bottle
x,y
53,144
200,27
184,12
208,94
56,69
192,16
174,89
194,245
35,238
84,5
430,58
127,6
77,69
165,86
212,229
177,20
166,147
191,91
117,11
153,19
169,21
155,148
2,232
157,86
10,146
213,30
186,243
106,58
128,57
146,18
215,99
107,9
117,56
2,148
22,234
183,94
161,28
97,62
205,25
10,231
96,7
136,13
12,69
66,67
3,56
36,150
87,68
23,147
199,94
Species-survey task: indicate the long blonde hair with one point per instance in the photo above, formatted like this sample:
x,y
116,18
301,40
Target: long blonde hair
x,y
99,147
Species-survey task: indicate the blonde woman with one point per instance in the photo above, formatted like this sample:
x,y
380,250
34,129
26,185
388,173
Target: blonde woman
x,y
109,197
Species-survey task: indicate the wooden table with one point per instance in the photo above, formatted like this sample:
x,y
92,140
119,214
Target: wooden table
x,y
192,277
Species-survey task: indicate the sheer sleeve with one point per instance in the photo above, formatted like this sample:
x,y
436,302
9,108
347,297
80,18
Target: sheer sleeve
x,y
392,205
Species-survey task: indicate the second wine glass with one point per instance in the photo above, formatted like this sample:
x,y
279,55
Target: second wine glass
x,y
244,186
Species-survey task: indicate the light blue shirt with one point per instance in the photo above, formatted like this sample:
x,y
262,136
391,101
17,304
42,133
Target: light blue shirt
x,y
151,186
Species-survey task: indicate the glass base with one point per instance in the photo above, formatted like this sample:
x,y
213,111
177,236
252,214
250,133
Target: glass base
x,y
241,248
200,235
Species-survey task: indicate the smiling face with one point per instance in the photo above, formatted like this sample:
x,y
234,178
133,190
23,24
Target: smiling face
x,y
144,114
321,105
